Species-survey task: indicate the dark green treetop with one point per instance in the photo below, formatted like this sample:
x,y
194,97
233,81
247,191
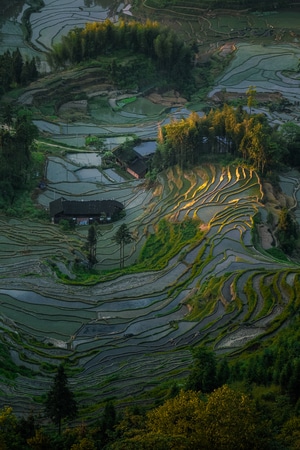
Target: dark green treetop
x,y
60,402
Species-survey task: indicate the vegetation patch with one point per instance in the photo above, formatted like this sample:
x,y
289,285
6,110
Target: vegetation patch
x,y
168,240
185,245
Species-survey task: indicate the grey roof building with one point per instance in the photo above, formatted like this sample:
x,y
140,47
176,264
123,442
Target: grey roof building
x,y
84,210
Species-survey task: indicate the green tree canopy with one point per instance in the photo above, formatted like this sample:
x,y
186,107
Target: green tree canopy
x,y
170,54
60,402
203,376
227,130
15,155
287,231
251,100
226,420
92,244
122,237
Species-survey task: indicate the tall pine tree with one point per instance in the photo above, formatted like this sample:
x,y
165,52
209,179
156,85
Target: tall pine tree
x,y
60,402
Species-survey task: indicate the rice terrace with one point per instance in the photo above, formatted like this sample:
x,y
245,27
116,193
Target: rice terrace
x,y
210,276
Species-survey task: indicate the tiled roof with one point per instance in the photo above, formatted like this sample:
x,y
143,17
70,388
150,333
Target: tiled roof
x,y
84,208
132,160
138,166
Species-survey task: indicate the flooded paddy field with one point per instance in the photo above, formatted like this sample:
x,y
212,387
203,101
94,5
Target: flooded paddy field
x,y
122,320
131,332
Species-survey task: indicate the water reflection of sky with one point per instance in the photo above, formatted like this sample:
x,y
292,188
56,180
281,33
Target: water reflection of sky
x,y
85,159
75,174
74,133
89,175
112,175
55,19
58,17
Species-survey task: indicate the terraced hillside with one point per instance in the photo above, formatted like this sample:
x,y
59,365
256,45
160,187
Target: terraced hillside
x,y
209,26
132,331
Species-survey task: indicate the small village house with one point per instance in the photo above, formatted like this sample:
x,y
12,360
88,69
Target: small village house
x,y
84,212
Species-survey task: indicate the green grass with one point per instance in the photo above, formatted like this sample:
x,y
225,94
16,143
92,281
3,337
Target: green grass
x,y
24,206
204,302
8,369
168,240
267,293
126,101
277,253
251,297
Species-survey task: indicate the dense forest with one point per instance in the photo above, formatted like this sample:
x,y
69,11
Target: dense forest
x,y
14,71
169,53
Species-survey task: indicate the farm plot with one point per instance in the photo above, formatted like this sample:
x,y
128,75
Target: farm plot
x,y
213,28
57,18
129,333
262,66
11,38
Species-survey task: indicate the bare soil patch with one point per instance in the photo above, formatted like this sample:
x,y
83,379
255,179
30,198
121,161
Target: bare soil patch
x,y
274,199
227,49
170,98
265,236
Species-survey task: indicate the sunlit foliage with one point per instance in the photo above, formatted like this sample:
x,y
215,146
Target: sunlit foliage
x,y
225,420
228,130
162,45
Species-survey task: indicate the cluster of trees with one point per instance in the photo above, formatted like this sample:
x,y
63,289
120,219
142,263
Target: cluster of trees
x,y
290,133
162,45
226,130
137,73
121,237
16,139
249,403
14,71
287,231
226,419
13,8
278,365
60,406
92,240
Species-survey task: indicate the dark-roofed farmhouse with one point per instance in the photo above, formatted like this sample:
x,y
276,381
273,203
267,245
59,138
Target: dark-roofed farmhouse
x,y
85,212
131,161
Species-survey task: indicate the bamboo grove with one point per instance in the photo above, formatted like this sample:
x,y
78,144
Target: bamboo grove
x,y
222,131
99,39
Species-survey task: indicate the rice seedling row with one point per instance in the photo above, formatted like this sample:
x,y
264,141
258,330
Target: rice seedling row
x,y
121,326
